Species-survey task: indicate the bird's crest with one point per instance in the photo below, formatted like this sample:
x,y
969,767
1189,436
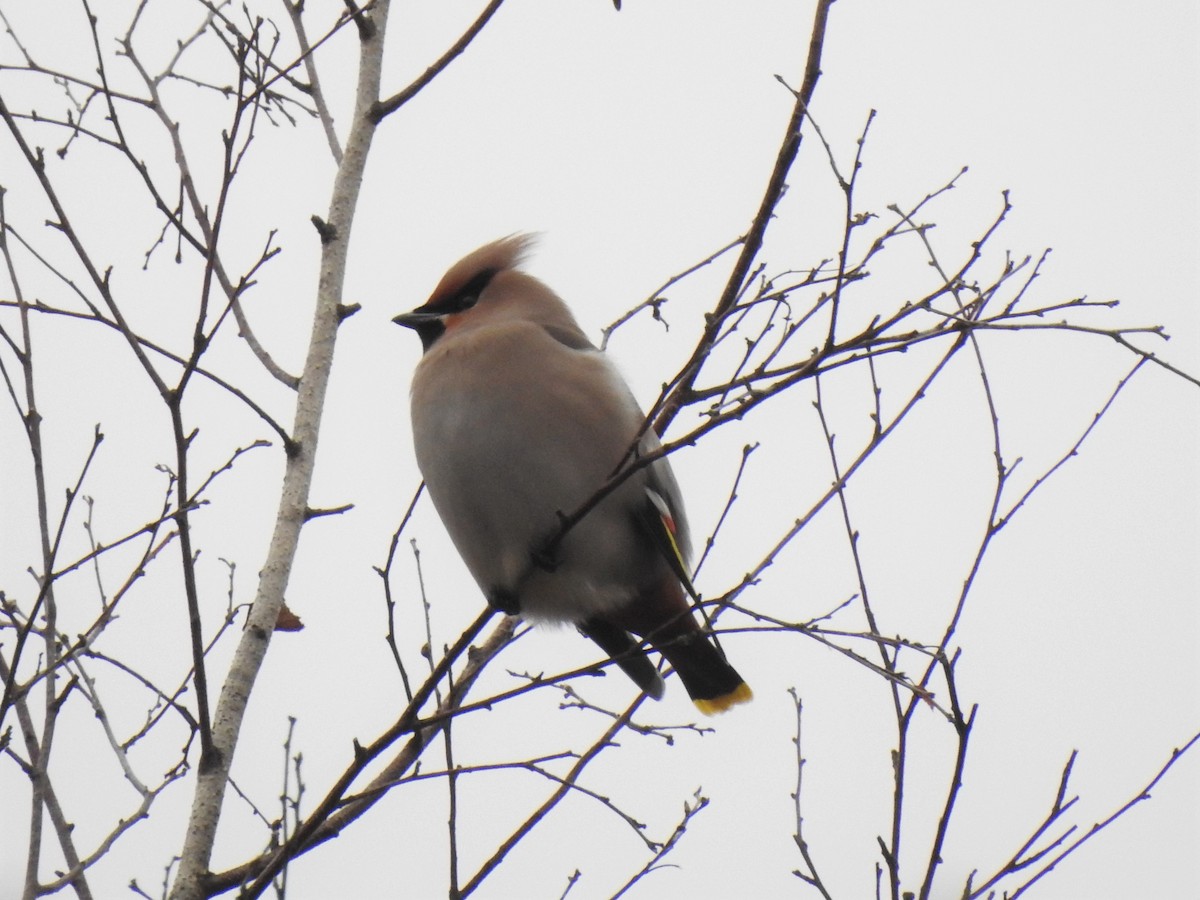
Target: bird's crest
x,y
506,253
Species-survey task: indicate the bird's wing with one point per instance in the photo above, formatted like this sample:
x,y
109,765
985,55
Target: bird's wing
x,y
659,521
627,653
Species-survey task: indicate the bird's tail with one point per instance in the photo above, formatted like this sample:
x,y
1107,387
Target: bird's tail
x,y
712,683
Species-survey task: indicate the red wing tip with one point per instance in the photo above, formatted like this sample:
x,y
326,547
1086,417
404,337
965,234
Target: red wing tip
x,y
710,706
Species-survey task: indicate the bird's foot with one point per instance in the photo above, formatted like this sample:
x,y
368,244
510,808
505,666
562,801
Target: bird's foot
x,y
504,600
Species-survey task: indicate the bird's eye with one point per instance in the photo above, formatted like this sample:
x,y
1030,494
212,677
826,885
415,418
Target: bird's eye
x,y
471,291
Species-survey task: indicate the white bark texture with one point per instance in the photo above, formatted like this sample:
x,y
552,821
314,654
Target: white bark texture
x,y
235,693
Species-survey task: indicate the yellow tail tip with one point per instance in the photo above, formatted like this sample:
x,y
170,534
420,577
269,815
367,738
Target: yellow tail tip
x,y
710,706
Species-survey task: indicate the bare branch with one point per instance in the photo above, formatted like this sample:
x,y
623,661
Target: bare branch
x,y
385,108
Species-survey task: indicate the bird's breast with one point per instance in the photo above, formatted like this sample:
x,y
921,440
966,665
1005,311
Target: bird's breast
x,y
514,430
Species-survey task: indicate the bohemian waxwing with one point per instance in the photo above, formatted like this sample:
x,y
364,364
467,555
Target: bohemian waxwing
x,y
517,421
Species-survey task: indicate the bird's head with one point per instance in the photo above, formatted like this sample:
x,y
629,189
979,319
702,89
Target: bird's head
x,y
486,285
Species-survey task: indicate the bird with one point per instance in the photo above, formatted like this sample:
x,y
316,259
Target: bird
x,y
518,421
